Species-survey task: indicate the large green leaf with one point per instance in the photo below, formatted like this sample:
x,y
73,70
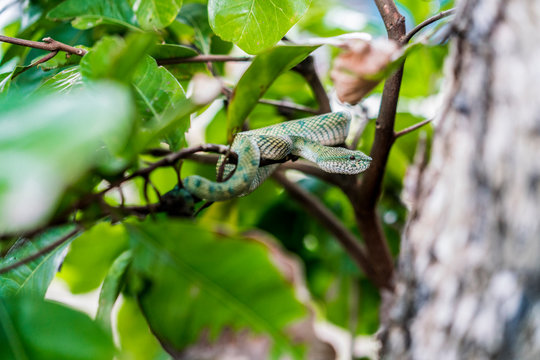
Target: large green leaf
x,y
91,255
191,281
37,329
254,25
48,143
156,88
116,58
32,278
196,16
136,340
157,91
157,14
264,69
63,82
87,14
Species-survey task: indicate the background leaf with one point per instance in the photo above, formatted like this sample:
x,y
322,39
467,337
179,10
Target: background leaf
x,y
87,14
91,255
184,274
157,14
254,25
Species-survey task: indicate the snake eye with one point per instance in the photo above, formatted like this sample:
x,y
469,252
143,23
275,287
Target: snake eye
x,y
352,157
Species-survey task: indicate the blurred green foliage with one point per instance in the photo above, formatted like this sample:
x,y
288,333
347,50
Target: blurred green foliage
x,y
73,125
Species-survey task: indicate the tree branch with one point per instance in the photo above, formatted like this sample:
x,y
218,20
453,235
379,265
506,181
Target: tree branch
x,y
425,23
307,69
41,252
202,59
48,44
168,160
45,58
411,128
333,225
364,194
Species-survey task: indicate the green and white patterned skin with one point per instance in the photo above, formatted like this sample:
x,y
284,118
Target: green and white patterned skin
x,y
310,138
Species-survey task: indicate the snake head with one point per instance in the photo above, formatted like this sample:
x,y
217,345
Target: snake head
x,y
344,161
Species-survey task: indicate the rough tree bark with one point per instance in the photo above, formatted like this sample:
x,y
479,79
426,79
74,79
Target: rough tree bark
x,y
468,282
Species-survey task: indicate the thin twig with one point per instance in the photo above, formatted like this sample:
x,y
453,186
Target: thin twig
x,y
41,252
307,69
48,44
45,58
330,221
169,160
289,106
202,59
425,23
411,128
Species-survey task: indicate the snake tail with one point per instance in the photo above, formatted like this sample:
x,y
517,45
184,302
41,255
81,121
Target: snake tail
x,y
239,183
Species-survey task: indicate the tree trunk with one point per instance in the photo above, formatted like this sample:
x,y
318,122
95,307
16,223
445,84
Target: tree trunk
x,y
468,282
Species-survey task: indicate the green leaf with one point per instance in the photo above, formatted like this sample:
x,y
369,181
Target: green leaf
x,y
111,288
196,16
190,281
37,329
136,340
175,117
157,14
157,91
166,51
91,255
39,137
419,10
264,69
254,25
33,278
63,82
87,14
156,88
116,58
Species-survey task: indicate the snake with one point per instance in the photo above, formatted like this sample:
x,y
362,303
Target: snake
x,y
311,138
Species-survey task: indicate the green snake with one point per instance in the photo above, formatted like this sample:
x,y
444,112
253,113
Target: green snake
x,y
310,138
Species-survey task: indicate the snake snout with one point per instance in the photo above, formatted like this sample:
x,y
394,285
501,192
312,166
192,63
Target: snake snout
x,y
349,166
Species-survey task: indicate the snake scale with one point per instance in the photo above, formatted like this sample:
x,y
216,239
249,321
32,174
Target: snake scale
x,y
310,138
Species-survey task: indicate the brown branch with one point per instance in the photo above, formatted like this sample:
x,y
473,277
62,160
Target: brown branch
x,y
48,44
330,221
168,160
45,58
364,194
411,128
202,59
393,20
425,23
307,69
41,252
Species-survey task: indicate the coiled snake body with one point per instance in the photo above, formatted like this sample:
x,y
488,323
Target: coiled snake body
x,y
310,138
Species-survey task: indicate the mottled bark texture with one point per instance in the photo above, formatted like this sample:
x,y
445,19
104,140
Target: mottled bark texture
x,y
468,281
